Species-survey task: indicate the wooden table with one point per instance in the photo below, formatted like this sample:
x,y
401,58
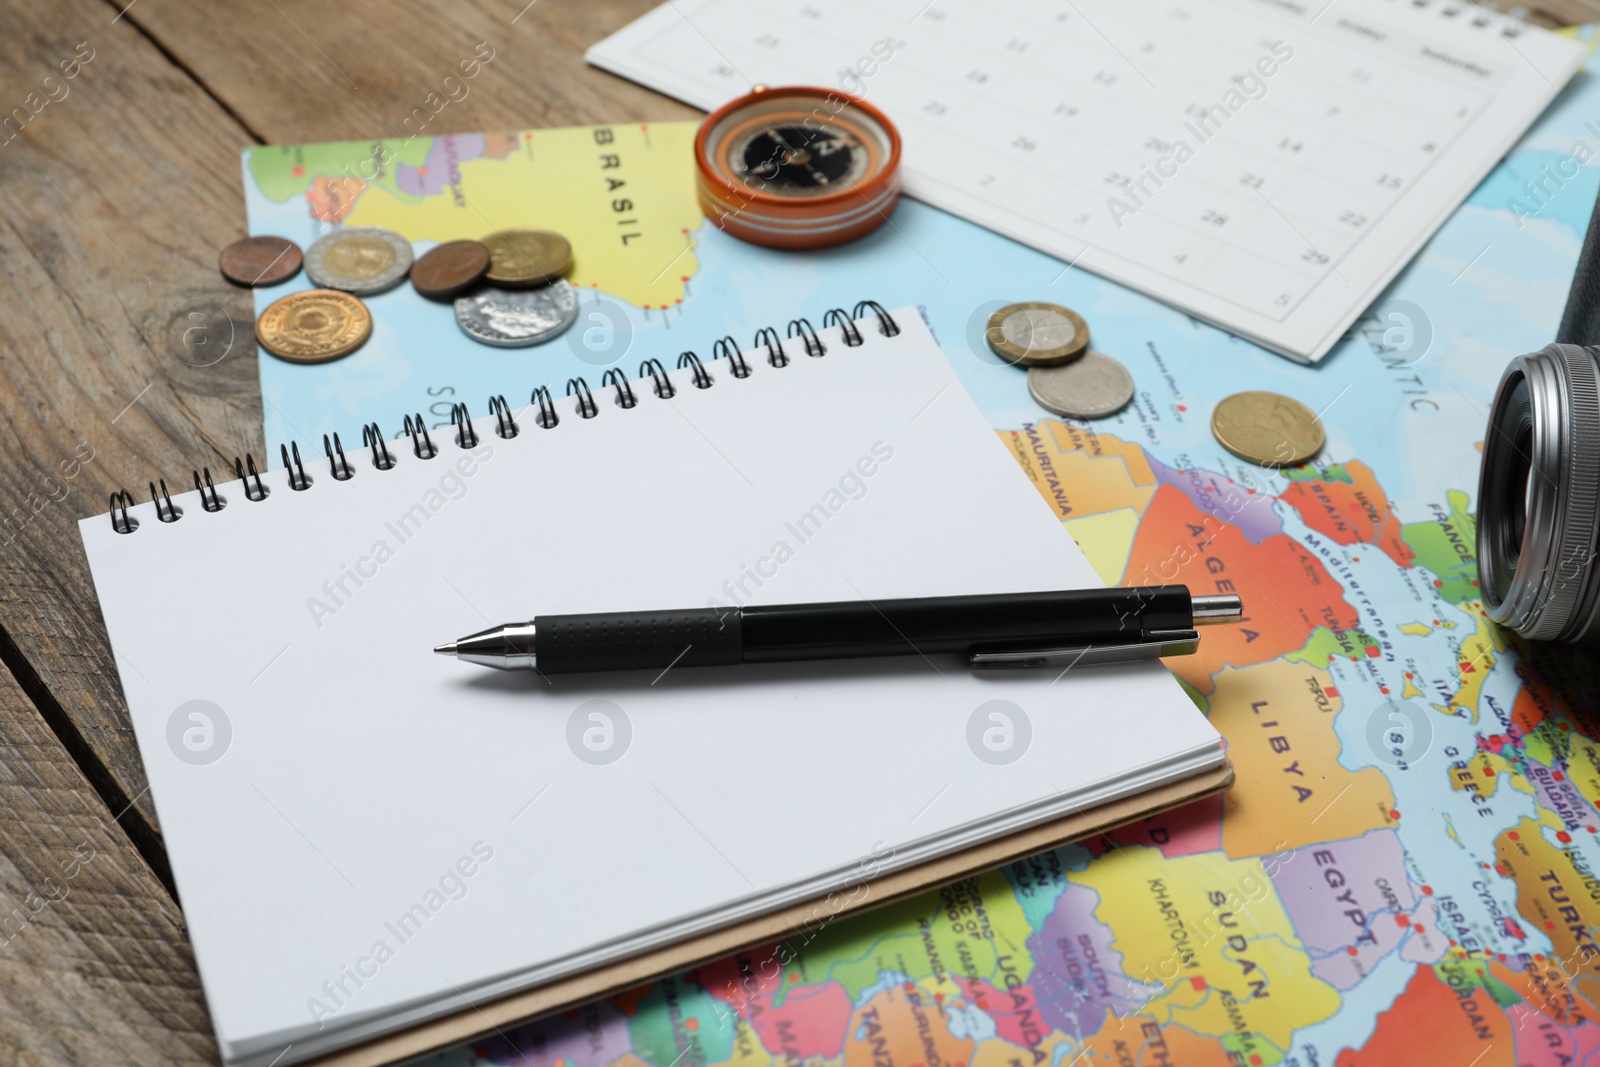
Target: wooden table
x,y
119,187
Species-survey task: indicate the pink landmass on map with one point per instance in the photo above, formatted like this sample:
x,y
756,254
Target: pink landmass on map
x,y
442,166
1182,831
1077,972
813,1021
1246,507
1352,903
1543,1043
810,1020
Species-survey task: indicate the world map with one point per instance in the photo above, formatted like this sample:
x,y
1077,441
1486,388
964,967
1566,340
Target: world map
x,y
1404,871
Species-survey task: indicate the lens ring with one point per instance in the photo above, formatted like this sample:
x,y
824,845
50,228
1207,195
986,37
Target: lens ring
x,y
1552,572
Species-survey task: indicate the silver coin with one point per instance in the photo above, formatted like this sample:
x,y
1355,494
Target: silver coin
x,y
512,318
361,260
1034,329
1087,388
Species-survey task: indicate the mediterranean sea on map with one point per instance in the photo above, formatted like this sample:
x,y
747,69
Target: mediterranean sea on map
x,y
1404,872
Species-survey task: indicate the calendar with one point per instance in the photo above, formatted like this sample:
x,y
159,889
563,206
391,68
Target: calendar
x,y
1265,165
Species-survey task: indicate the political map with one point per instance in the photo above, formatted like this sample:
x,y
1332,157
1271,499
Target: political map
x,y
1405,871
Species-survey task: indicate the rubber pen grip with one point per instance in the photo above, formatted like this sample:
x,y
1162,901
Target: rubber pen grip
x,y
637,640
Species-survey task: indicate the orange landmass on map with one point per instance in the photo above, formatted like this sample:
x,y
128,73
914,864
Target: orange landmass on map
x,y
1553,897
330,199
1290,790
1079,472
1430,1022
1350,512
904,1027
1287,592
499,145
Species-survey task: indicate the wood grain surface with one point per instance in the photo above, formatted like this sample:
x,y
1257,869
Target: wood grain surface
x,y
368,70
118,196
94,965
124,356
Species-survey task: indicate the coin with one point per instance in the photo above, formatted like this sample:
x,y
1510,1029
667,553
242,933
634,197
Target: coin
x,y
314,326
1269,429
260,261
448,269
363,259
1090,387
1037,335
522,258
512,318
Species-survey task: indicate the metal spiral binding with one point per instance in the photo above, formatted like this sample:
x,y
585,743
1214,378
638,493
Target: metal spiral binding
x,y
421,442
658,374
547,417
170,512
299,480
625,397
461,419
340,466
248,464
372,437
700,376
210,499
886,324
124,500
837,317
504,424
587,408
802,329
728,349
466,435
776,356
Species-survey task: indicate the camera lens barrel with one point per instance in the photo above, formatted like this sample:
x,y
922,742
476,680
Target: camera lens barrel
x,y
1539,496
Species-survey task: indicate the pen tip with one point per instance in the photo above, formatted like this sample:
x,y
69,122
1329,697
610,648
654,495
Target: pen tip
x,y
446,649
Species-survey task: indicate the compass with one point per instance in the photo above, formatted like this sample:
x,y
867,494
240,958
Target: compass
x,y
797,168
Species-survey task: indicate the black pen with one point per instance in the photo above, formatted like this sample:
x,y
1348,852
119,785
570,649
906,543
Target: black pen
x,y
1048,629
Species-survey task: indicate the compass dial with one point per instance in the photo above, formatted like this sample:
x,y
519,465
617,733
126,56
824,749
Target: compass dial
x,y
798,167
794,157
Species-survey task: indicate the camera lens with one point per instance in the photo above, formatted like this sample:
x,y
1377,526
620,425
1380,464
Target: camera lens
x,y
1539,497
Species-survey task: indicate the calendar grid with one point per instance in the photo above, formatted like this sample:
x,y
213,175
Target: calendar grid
x,y
1173,146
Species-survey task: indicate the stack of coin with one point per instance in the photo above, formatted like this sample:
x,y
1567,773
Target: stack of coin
x,y
1065,375
527,300
507,290
1268,429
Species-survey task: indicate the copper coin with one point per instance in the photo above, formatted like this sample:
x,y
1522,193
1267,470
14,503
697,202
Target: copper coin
x,y
314,326
259,261
445,272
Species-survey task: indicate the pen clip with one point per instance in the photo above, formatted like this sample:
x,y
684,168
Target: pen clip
x,y
1152,645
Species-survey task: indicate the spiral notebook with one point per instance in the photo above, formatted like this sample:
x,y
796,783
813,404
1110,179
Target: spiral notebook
x,y
366,836
1265,165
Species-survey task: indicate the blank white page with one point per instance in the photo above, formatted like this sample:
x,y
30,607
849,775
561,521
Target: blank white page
x,y
1266,165
361,769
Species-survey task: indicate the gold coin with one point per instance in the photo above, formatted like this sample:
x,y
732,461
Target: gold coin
x,y
359,257
314,326
1037,334
1267,428
521,259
